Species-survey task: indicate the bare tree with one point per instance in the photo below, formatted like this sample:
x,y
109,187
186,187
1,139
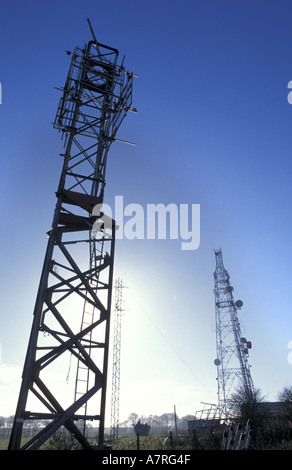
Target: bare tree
x,y
246,406
285,395
132,419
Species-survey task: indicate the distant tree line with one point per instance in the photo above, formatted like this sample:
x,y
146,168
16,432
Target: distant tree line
x,y
158,424
269,430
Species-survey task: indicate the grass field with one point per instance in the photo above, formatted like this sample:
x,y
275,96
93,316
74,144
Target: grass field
x,y
151,442
4,444
161,442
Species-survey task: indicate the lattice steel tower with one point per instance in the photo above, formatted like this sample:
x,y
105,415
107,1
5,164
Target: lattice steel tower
x,y
71,319
233,370
116,372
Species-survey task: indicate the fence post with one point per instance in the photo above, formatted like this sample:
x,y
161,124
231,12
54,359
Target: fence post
x,y
171,439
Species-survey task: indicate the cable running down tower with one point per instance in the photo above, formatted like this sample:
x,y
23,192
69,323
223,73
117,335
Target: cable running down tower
x,y
71,319
233,370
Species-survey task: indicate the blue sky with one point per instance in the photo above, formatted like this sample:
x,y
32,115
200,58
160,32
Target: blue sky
x,y
214,128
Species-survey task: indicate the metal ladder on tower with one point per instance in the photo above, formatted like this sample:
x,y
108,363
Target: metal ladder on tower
x,y
82,381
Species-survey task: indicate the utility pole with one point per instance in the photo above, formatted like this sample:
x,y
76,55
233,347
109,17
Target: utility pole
x,y
116,372
233,370
71,318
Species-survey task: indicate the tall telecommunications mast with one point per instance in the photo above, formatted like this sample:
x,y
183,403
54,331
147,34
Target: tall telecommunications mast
x,y
233,370
71,319
116,372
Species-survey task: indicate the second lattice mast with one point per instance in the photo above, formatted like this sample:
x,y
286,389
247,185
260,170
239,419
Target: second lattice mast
x,y
116,372
233,370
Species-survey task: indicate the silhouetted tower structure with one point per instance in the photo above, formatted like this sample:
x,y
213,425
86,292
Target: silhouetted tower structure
x,y
71,319
233,370
116,372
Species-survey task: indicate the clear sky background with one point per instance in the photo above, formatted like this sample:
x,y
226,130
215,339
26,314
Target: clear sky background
x,y
214,127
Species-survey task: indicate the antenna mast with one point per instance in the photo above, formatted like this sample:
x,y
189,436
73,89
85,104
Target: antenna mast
x,y
92,32
71,319
233,370
116,374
